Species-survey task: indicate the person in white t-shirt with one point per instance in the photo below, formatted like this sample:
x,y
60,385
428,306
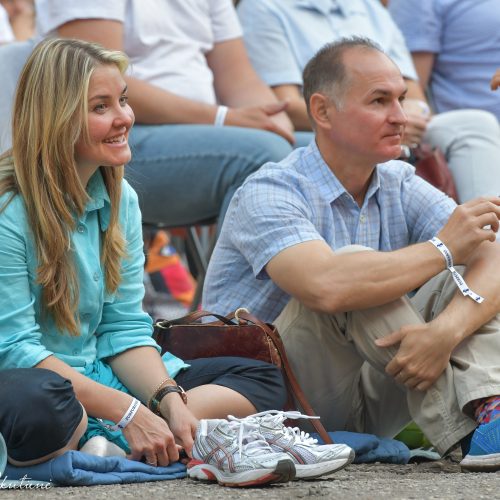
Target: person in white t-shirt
x,y
6,34
20,17
190,152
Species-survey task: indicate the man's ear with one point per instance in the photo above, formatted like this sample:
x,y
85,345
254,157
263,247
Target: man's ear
x,y
319,106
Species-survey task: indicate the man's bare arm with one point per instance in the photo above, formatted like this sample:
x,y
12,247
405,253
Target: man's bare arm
x,y
330,282
238,86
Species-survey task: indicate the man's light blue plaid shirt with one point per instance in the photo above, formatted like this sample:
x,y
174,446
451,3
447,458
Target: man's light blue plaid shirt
x,y
299,199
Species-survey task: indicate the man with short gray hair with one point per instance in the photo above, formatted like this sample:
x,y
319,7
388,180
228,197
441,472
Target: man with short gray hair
x,y
328,242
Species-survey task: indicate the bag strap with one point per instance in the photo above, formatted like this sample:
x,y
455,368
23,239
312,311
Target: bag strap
x,y
191,318
292,380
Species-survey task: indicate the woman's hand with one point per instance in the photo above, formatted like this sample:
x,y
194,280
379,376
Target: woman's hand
x,y
149,436
180,420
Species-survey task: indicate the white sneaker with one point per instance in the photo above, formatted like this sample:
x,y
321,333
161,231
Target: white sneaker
x,y
235,454
311,459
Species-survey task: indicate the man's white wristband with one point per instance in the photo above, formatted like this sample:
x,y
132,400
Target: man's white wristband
x,y
127,417
220,116
459,281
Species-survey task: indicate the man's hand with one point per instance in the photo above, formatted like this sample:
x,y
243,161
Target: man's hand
x,y
262,117
467,227
495,81
424,352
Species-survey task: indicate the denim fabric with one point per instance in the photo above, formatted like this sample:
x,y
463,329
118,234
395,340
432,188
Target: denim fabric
x,y
189,173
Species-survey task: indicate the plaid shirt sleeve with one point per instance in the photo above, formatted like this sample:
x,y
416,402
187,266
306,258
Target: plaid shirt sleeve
x,y
271,215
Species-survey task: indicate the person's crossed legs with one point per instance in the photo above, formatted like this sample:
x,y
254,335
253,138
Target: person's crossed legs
x,y
343,371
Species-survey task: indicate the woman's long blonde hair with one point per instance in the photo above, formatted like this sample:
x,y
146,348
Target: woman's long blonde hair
x,y
49,116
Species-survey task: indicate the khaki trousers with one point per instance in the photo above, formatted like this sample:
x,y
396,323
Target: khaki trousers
x,y
342,370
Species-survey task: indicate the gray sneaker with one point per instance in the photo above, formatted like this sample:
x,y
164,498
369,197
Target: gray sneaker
x,y
235,454
311,459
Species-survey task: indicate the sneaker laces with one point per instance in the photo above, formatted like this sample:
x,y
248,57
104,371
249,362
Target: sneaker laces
x,y
248,431
276,418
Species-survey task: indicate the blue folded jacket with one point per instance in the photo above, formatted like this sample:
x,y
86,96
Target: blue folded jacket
x,y
75,468
370,448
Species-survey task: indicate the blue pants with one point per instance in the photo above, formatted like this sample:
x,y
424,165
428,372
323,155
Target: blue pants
x,y
189,173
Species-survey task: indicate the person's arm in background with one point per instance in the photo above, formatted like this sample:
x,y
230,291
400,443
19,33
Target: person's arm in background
x,y
419,24
418,112
297,110
6,33
153,105
272,57
22,17
495,81
238,86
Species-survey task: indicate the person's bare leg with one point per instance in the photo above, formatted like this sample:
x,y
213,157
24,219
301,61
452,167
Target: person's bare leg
x,y
216,401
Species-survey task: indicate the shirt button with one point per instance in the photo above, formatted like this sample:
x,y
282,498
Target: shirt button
x,y
81,229
76,352
362,218
96,276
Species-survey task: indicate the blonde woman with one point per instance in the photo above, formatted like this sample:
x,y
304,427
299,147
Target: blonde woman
x,y
76,352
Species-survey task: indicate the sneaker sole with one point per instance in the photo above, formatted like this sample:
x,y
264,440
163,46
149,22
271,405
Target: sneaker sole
x,y
313,471
284,472
481,463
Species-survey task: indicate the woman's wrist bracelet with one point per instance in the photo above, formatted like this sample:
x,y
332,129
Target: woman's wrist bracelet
x,y
127,417
160,385
457,278
154,402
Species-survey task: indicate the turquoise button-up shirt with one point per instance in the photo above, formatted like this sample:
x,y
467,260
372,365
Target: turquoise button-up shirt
x,y
110,323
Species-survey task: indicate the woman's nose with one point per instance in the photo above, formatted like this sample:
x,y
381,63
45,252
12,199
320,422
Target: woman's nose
x,y
125,117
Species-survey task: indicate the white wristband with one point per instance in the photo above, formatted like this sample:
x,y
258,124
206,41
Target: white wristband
x,y
457,278
444,250
220,116
127,417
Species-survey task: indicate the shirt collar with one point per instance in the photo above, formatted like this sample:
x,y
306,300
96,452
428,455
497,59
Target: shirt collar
x,y
316,169
323,6
329,186
99,199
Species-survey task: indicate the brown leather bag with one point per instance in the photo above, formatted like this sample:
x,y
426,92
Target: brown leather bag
x,y
239,334
430,164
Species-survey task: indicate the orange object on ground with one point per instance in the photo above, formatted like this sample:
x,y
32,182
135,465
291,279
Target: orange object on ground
x,y
163,261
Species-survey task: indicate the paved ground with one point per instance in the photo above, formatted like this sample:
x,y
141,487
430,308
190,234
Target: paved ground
x,y
436,480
